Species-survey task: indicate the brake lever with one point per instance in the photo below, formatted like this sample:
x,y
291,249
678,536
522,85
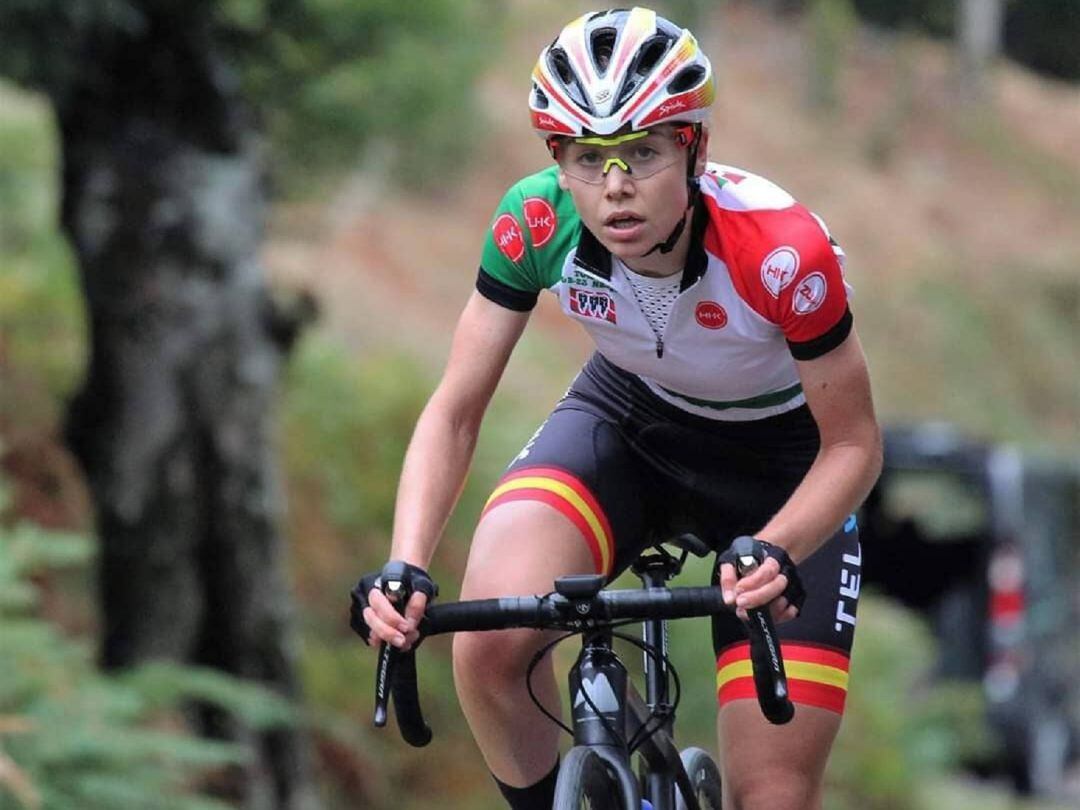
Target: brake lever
x,y
396,674
770,678
393,587
384,676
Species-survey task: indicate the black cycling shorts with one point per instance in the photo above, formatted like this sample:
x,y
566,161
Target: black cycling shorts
x,y
630,470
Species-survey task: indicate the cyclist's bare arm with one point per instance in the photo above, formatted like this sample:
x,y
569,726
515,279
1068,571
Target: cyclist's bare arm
x,y
837,387
441,449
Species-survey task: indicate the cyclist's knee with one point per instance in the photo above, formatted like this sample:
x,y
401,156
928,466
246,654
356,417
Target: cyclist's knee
x,y
772,789
494,658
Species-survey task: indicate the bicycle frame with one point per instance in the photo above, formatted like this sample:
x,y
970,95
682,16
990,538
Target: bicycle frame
x,y
607,709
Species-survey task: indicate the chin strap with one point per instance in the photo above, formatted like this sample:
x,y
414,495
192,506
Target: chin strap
x,y
668,244
692,191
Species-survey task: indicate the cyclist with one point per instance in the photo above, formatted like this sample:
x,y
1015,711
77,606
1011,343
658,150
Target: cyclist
x,y
728,395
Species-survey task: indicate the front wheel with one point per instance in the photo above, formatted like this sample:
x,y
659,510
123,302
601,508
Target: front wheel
x,y
704,776
586,783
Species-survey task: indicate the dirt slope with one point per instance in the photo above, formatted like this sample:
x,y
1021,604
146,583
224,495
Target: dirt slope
x,y
913,183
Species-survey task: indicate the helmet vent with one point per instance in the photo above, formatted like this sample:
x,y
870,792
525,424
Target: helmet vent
x,y
648,57
602,45
560,64
651,54
687,77
539,99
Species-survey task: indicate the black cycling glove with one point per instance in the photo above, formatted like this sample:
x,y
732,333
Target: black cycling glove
x,y
794,592
411,578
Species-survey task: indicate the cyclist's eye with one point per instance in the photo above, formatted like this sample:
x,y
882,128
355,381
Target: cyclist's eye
x,y
588,159
645,153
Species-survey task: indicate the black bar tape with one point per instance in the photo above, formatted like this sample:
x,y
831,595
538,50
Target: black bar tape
x,y
410,717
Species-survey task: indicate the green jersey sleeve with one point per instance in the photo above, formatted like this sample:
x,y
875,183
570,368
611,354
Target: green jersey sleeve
x,y
530,235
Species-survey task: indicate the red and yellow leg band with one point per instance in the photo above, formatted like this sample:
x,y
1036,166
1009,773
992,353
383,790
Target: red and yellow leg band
x,y
567,494
817,676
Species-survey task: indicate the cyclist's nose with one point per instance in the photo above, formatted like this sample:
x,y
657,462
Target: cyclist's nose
x,y
618,181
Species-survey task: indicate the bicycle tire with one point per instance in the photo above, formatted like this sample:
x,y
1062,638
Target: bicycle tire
x,y
585,782
704,776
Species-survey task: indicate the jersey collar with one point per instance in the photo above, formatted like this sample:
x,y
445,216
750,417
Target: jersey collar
x,y
594,258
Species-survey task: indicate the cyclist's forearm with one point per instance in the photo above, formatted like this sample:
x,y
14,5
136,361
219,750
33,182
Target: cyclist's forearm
x,y
836,484
837,387
432,477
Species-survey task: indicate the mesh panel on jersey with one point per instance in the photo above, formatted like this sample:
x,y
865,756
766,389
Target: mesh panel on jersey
x,y
656,297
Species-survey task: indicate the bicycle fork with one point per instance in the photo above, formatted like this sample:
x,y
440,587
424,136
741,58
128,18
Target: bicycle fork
x,y
607,712
598,686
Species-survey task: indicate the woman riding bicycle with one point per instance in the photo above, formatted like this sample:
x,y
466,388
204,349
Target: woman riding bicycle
x,y
728,395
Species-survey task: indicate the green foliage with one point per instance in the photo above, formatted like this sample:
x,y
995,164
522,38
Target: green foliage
x,y
327,77
900,728
41,319
72,737
833,22
413,90
350,443
348,440
331,74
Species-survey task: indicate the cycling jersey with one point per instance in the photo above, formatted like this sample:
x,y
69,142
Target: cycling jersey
x,y
762,286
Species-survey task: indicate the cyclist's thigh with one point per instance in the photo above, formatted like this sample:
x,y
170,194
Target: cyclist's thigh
x,y
572,502
520,548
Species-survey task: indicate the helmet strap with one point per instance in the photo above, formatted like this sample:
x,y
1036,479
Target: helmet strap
x,y
668,244
693,188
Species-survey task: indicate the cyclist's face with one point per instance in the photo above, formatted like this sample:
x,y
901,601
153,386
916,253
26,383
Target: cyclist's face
x,y
631,194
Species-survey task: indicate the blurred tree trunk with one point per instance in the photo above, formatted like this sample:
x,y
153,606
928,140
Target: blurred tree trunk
x,y
163,201
979,32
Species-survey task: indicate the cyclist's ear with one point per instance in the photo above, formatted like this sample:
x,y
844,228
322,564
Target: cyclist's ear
x,y
702,152
562,180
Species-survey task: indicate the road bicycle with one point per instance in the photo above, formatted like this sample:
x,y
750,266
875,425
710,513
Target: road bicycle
x,y
611,722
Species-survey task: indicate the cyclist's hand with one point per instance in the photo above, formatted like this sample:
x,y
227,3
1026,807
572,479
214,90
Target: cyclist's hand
x,y
388,625
374,614
775,582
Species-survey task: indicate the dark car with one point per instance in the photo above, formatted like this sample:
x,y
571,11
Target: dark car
x,y
984,540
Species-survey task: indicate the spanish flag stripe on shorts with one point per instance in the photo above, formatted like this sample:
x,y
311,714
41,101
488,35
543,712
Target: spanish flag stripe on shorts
x,y
817,676
569,496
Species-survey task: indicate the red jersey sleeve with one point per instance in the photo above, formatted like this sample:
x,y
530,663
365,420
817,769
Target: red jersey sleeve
x,y
788,270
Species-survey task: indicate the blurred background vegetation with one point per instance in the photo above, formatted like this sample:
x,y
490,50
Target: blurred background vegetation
x,y
959,221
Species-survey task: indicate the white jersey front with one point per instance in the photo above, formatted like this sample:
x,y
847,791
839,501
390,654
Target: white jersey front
x,y
762,286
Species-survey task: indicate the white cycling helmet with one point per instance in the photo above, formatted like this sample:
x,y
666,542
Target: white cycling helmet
x,y
611,68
